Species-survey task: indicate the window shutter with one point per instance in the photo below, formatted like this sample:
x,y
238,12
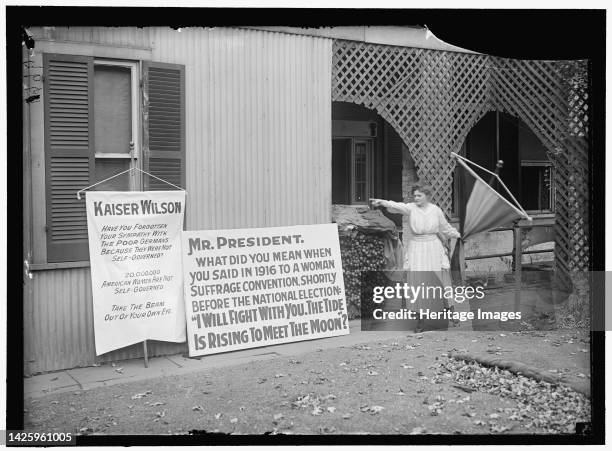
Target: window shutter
x,y
69,157
164,124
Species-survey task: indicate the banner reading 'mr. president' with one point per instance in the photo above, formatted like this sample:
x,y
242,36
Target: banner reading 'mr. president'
x,y
255,287
136,278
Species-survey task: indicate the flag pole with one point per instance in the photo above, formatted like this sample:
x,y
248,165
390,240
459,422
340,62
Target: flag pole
x,y
498,166
462,160
518,265
146,354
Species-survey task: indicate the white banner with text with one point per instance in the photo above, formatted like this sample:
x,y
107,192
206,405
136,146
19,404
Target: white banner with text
x,y
246,288
135,254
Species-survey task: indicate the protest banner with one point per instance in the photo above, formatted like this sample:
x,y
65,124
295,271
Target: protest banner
x,y
246,288
135,253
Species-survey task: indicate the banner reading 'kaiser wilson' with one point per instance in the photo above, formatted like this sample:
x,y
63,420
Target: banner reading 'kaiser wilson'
x,y
136,278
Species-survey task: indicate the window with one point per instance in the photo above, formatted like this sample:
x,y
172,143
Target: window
x,y
536,186
352,170
92,112
115,123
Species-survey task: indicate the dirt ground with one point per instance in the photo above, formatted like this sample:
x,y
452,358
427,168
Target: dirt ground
x,y
401,386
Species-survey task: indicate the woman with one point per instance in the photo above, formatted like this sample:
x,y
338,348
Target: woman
x,y
425,253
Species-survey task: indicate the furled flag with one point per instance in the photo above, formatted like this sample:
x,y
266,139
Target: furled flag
x,y
482,208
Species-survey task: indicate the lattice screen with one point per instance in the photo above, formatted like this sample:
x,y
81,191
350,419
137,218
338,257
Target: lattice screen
x,y
433,99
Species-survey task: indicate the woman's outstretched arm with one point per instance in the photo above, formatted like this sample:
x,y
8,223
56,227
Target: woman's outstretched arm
x,y
393,207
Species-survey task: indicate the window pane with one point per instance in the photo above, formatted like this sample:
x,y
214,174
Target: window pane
x,y
360,172
546,200
112,109
360,192
536,187
341,161
107,167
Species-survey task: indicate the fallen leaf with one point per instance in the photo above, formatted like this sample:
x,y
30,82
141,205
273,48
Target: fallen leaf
x,y
278,416
465,388
197,408
500,428
142,395
317,411
157,404
218,415
234,420
346,416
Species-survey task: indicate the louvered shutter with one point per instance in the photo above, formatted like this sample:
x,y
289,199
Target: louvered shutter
x,y
69,158
164,122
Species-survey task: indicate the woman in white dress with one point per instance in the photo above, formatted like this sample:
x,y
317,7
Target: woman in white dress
x,y
424,250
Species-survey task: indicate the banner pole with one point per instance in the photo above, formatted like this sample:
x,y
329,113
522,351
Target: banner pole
x,y
146,354
518,257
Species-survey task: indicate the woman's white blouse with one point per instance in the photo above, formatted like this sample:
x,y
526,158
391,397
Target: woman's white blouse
x,y
423,249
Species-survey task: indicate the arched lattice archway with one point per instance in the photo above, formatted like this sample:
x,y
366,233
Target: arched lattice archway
x,y
433,98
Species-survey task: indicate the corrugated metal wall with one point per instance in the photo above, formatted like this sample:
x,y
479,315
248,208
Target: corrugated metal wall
x,y
258,107
258,125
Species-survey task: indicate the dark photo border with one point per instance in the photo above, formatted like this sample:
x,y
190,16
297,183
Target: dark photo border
x,y
524,34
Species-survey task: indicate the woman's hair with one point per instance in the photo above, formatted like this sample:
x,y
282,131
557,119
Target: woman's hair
x,y
425,189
